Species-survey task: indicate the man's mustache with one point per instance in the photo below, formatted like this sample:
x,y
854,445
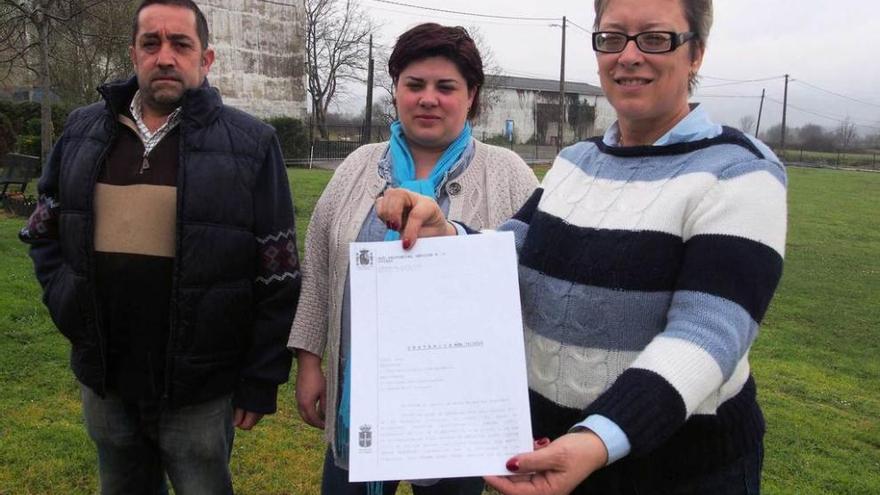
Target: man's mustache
x,y
171,75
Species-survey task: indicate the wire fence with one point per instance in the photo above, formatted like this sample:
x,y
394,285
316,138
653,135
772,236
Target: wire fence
x,y
865,160
343,139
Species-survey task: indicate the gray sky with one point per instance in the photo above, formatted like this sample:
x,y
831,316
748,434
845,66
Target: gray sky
x,y
828,44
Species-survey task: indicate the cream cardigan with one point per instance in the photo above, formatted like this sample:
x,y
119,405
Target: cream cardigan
x,y
490,190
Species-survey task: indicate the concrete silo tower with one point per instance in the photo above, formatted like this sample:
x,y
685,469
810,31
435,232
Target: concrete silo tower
x,y
260,65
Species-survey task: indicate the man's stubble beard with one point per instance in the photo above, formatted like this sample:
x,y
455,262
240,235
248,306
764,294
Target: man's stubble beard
x,y
164,101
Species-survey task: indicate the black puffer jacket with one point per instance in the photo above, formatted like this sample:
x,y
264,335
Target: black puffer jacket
x,y
236,274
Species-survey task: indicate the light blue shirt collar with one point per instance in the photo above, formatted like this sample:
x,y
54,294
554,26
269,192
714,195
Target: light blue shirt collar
x,y
695,126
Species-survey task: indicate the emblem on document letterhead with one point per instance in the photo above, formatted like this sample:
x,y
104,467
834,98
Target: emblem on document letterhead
x,y
365,437
364,258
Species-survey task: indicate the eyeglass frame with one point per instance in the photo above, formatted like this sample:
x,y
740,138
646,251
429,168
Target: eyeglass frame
x,y
676,40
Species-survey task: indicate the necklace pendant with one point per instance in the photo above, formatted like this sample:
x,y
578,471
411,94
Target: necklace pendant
x,y
145,165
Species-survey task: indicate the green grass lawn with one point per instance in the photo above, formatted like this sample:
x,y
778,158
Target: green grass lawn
x,y
816,362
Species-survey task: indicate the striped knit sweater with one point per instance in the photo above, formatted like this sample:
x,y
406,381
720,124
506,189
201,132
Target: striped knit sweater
x,y
644,274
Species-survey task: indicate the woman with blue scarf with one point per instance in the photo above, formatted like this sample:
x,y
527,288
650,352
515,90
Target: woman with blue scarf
x,y
437,74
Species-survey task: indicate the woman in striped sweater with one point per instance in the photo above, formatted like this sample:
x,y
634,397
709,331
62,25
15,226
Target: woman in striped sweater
x,y
648,258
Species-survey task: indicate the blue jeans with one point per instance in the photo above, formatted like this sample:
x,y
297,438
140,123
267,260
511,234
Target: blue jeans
x,y
140,443
335,482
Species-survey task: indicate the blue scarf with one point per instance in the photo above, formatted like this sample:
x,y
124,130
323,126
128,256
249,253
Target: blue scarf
x,y
403,170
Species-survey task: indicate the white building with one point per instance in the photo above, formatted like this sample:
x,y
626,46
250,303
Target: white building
x,y
260,64
533,107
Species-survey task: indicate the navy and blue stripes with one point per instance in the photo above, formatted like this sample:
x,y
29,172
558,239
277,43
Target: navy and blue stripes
x,y
610,258
744,271
645,273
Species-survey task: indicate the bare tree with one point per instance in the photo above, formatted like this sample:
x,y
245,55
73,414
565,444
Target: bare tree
x,y
384,111
489,95
747,123
29,31
846,133
25,28
93,50
337,40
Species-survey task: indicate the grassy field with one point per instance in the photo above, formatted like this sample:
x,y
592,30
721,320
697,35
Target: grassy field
x,y
816,362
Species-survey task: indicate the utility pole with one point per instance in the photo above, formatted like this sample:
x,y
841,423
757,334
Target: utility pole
x,y
760,111
561,91
784,108
535,117
367,135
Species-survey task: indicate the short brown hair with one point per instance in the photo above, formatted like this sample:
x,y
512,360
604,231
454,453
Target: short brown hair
x,y
698,14
201,22
433,40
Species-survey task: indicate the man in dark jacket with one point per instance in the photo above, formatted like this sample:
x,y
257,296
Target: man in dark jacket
x,y
164,241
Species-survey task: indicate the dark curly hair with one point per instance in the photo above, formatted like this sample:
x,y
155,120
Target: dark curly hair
x,y
433,40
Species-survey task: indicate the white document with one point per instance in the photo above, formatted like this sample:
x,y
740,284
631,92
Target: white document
x,y
439,387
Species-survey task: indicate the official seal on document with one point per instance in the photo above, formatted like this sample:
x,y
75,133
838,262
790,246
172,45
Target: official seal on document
x,y
365,437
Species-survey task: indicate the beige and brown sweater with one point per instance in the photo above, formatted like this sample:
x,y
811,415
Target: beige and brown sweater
x,y
492,188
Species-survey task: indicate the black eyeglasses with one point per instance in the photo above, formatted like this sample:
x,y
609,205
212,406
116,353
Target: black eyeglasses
x,y
648,42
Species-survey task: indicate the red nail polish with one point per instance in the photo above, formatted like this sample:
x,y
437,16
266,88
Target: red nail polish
x,y
407,243
512,465
389,226
543,441
394,226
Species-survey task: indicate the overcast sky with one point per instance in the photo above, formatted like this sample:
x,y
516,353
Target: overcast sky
x,y
832,45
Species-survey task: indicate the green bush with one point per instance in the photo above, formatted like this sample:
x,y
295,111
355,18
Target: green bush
x,y
32,127
293,135
499,139
20,113
25,116
7,135
60,113
29,145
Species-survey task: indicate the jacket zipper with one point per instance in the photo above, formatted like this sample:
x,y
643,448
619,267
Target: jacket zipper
x,y
90,260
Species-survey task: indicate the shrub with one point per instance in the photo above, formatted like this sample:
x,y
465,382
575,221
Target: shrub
x,y
7,135
29,145
60,113
32,127
499,139
293,136
20,113
25,116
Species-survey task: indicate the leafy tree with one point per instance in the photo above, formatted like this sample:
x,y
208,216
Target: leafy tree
x,y
814,137
581,117
773,135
